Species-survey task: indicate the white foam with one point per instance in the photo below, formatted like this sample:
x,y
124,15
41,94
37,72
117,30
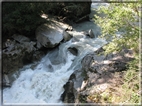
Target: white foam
x,y
39,85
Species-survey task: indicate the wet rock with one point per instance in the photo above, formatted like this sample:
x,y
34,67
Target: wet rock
x,y
18,52
86,62
97,74
69,28
68,94
73,87
73,50
6,82
89,33
66,36
48,35
57,57
72,77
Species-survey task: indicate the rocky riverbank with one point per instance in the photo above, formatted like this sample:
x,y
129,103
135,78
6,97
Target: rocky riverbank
x,y
99,73
19,50
67,73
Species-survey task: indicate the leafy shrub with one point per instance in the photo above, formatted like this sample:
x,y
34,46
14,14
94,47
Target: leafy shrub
x,y
120,26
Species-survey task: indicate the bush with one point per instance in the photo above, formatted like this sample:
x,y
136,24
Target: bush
x,y
120,26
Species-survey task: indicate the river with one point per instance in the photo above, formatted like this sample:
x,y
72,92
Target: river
x,y
44,83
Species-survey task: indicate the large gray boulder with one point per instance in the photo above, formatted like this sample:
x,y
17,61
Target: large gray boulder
x,y
48,36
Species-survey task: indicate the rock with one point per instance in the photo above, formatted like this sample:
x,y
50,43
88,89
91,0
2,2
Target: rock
x,y
69,28
20,38
97,74
68,94
84,84
86,61
48,35
6,82
37,55
29,46
66,36
73,50
57,57
100,50
18,52
89,33
76,83
72,77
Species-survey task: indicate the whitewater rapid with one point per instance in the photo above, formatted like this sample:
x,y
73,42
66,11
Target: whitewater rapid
x,y
44,83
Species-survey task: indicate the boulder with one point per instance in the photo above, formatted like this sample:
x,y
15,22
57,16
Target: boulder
x,y
68,95
89,33
18,52
66,36
20,38
73,50
48,36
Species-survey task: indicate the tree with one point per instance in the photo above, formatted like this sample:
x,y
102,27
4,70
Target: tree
x,y
120,25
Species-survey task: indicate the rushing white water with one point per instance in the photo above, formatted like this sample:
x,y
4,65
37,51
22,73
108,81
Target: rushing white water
x,y
44,84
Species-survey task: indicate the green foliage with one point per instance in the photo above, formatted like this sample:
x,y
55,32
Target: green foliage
x,y
120,25
123,19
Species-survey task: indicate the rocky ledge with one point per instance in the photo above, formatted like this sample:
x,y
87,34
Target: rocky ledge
x,y
98,73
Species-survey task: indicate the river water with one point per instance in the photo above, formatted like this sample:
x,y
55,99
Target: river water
x,y
44,83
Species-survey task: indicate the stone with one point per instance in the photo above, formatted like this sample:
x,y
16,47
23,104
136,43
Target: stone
x,y
73,50
91,34
86,62
98,73
66,36
20,38
48,35
68,95
18,52
6,82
